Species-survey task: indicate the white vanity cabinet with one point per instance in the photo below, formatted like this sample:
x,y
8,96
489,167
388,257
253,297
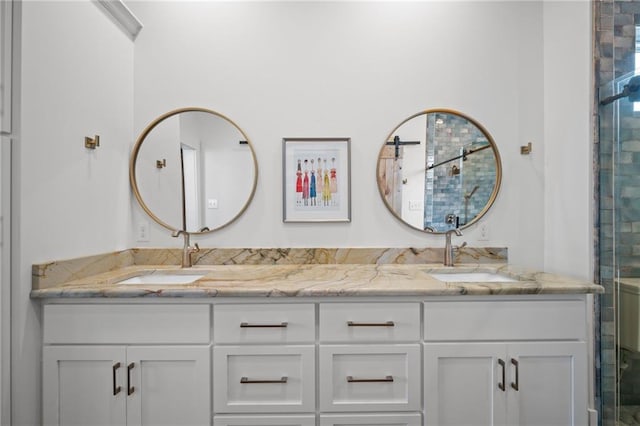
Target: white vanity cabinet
x,y
491,363
318,361
96,370
264,361
370,358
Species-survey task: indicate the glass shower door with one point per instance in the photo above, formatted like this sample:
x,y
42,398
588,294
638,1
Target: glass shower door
x,y
619,239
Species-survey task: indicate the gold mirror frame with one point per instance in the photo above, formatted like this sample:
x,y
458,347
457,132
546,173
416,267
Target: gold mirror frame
x,y
134,157
494,148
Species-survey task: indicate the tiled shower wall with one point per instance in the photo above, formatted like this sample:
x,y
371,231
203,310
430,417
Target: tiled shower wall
x,y
479,169
614,42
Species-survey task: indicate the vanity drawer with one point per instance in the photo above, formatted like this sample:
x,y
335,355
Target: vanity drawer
x,y
122,324
370,378
264,323
504,320
369,322
370,419
265,420
264,379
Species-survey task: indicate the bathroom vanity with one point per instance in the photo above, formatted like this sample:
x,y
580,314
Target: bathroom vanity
x,y
327,344
313,337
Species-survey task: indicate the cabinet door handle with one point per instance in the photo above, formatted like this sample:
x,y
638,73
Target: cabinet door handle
x,y
386,379
116,389
130,388
371,324
247,381
248,325
501,385
515,385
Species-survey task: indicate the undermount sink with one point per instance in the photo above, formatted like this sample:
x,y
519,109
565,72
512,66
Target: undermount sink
x,y
162,279
472,277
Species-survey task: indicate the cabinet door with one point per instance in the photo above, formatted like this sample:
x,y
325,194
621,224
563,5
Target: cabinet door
x,y
168,385
551,382
84,385
462,384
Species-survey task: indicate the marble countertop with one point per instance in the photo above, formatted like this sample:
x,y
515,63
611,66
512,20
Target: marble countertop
x,y
314,280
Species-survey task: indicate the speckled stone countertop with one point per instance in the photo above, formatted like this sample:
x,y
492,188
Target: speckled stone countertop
x,y
313,280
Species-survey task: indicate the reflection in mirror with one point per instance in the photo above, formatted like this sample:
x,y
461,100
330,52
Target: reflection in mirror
x,y
193,169
439,170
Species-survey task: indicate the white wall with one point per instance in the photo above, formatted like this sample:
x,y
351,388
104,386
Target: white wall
x,y
76,81
5,280
6,64
299,69
356,69
568,149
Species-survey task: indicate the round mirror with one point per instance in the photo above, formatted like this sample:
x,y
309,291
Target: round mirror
x,y
439,170
193,169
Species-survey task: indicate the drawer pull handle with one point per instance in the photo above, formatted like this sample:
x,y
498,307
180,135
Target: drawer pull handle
x,y
116,389
501,385
386,379
248,325
130,388
371,324
246,380
515,385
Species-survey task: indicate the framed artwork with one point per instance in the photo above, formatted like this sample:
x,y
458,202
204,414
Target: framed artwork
x,y
316,179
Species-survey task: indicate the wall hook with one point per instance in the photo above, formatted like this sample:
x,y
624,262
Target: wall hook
x,y
161,163
92,143
526,149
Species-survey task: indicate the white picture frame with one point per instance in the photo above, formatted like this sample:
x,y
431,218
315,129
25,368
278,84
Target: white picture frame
x,y
316,179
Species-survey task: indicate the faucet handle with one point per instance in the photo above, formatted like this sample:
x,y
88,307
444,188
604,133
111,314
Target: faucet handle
x,y
195,248
464,244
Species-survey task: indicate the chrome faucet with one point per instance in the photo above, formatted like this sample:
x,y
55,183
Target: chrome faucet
x,y
187,250
448,248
